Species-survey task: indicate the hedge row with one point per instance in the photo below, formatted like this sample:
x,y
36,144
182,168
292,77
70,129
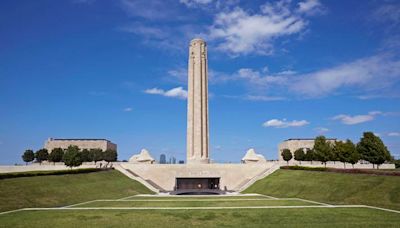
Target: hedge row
x,y
47,173
356,171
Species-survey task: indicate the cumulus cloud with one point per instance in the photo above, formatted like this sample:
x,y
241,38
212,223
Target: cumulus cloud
x,y
240,32
394,134
321,130
366,75
370,73
276,123
128,109
356,119
177,92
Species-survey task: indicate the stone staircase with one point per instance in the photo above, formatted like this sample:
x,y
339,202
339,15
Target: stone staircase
x,y
136,177
245,184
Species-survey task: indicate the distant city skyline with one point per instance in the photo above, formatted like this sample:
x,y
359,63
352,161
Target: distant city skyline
x,y
118,70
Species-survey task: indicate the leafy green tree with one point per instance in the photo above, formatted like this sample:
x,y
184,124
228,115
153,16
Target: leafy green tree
x,y
110,156
310,155
346,152
372,149
397,163
56,155
286,155
299,155
28,156
85,154
322,149
96,155
41,155
72,157
354,158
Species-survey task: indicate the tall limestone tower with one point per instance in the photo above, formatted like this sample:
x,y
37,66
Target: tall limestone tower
x,y
197,117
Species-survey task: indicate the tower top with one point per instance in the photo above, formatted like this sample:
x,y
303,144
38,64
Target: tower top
x,y
197,40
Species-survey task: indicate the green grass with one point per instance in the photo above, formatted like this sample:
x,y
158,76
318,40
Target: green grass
x,y
197,203
335,188
55,191
308,217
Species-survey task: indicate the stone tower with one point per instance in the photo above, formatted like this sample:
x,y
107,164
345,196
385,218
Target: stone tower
x,y
197,117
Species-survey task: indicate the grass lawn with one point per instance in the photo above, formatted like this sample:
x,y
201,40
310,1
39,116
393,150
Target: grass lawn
x,y
335,188
55,191
197,203
306,217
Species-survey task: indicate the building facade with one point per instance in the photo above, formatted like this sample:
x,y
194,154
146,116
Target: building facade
x,y
294,144
102,144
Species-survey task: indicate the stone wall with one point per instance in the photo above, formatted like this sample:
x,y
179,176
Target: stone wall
x,y
232,176
103,144
294,144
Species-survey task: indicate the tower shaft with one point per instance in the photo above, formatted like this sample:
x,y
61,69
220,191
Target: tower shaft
x,y
197,117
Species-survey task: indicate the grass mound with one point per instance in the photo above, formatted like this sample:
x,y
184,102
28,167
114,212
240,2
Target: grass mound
x,y
62,190
336,188
48,173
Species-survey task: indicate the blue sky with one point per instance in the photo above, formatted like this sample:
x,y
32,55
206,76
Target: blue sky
x,y
277,70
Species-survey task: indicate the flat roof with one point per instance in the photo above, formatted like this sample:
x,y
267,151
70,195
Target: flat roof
x,y
308,139
69,139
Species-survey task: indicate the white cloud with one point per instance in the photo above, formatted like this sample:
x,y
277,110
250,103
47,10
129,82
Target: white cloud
x,y
129,109
240,32
177,92
263,98
255,77
321,130
394,134
357,119
310,7
193,3
284,123
371,73
178,75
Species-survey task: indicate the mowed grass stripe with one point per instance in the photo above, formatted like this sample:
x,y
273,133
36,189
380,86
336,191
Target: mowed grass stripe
x,y
304,217
206,203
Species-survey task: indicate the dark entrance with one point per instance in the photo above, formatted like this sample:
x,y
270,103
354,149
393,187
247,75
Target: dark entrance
x,y
208,185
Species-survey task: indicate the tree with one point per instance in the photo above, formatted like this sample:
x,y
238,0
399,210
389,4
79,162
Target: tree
x,y
110,156
299,155
354,158
346,152
96,155
397,163
310,155
28,156
72,157
41,155
56,155
85,154
322,149
286,155
372,149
